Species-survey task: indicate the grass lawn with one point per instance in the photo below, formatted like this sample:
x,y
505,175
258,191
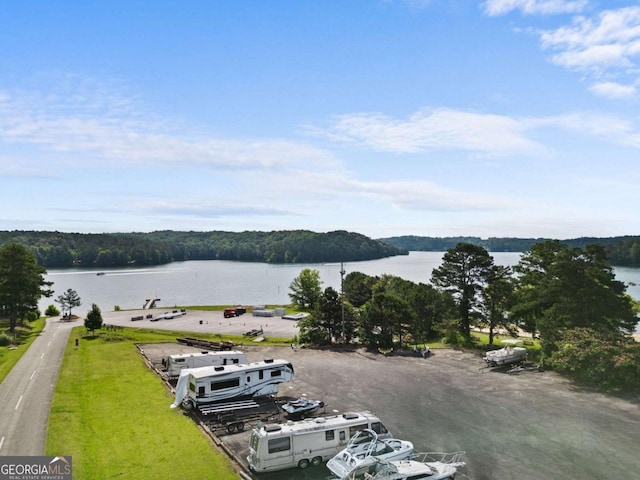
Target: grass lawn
x,y
111,413
25,335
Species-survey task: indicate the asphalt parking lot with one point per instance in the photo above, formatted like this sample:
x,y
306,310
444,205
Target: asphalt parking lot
x,y
523,427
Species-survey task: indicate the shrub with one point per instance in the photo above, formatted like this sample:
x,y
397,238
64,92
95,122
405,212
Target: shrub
x,y
33,315
606,361
5,340
52,311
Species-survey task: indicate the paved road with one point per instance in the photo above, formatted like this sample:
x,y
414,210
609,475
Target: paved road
x,y
26,393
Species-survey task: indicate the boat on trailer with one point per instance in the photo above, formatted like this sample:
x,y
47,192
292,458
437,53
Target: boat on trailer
x,y
363,451
506,355
431,466
301,407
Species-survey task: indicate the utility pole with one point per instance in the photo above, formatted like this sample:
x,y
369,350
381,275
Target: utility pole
x,y
342,272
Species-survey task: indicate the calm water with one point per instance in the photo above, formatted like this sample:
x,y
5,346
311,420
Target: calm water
x,y
216,282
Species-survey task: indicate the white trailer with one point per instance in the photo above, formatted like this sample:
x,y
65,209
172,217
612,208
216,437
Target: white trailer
x,y
205,385
176,363
307,442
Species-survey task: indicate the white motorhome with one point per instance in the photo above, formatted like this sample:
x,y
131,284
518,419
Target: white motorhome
x,y
307,442
176,363
204,385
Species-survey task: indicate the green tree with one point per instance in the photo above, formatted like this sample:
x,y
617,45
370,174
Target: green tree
x,y
383,319
357,288
306,289
69,300
464,274
22,283
561,288
431,307
93,321
497,299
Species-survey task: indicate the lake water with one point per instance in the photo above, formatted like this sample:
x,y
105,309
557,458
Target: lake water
x,y
218,282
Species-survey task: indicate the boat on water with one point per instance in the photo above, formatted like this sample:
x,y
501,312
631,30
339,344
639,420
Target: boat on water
x,y
431,466
506,355
364,451
301,407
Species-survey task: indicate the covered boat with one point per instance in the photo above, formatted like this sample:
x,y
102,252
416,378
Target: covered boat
x,y
364,451
431,466
301,407
506,355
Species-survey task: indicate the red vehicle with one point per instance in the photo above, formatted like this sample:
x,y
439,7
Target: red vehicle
x,y
230,312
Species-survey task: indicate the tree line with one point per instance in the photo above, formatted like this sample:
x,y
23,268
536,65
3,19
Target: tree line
x,y
621,251
567,297
63,250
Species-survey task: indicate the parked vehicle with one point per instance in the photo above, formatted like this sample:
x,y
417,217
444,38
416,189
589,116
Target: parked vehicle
x,y
205,385
432,466
301,407
363,451
506,355
307,442
178,362
230,312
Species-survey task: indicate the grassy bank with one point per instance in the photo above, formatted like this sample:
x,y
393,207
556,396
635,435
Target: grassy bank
x,y
24,337
111,413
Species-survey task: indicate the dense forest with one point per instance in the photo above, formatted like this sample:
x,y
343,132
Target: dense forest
x,y
61,250
621,251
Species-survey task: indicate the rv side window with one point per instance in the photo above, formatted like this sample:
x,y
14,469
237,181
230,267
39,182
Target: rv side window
x,y
192,387
201,391
234,382
279,444
178,360
329,435
356,428
276,373
261,374
343,436
235,360
379,428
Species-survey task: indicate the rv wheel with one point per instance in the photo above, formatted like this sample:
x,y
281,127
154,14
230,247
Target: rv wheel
x,y
316,461
231,427
304,463
240,426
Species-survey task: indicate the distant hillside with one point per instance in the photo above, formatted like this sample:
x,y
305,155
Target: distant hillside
x,y
61,250
621,251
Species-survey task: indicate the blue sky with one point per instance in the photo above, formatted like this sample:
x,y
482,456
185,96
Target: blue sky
x,y
383,117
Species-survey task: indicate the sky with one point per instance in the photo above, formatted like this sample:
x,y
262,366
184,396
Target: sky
x,y
496,118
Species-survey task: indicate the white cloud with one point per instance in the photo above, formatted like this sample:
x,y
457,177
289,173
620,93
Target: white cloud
x,y
611,39
607,128
613,90
98,127
427,196
442,129
530,7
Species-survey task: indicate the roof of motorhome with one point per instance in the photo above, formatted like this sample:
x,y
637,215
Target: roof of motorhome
x,y
201,354
318,423
212,371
